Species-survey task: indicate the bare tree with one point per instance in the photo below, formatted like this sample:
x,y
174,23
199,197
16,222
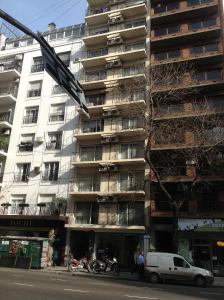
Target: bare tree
x,y
183,137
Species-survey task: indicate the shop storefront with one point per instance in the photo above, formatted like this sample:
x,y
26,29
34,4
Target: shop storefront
x,y
37,227
95,244
202,241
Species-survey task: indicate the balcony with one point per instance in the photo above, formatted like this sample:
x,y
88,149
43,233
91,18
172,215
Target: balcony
x,y
52,146
113,132
127,30
92,189
126,53
118,159
130,9
4,143
103,78
37,68
8,96
9,71
33,93
210,29
6,120
25,209
21,177
189,10
194,55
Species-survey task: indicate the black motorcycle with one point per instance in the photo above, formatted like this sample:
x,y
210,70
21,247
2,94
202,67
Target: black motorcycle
x,y
104,265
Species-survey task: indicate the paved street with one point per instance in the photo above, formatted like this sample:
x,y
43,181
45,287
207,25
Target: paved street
x,y
36,285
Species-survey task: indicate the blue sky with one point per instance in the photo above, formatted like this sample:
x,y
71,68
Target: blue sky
x,y
36,14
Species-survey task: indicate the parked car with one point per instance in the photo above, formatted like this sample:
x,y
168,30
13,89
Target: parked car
x,y
161,266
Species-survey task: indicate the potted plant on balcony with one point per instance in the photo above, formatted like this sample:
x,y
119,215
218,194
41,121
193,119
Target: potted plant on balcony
x,y
4,142
58,205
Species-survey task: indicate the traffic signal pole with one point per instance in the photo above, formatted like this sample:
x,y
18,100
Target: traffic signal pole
x,y
53,64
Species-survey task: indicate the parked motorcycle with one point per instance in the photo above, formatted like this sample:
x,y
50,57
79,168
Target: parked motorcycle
x,y
105,264
78,265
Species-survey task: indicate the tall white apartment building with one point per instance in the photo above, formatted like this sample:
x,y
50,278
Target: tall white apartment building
x,y
37,122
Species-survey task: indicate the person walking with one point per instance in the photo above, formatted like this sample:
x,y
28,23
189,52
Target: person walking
x,y
140,264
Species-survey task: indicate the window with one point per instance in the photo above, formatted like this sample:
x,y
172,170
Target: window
x,y
179,262
38,65
133,70
97,52
65,57
89,183
22,172
135,46
34,89
31,115
128,151
197,2
86,213
93,153
26,143
94,100
168,55
202,24
92,126
208,75
130,214
131,181
129,123
165,7
96,75
204,48
57,113
17,202
54,141
167,30
57,89
50,171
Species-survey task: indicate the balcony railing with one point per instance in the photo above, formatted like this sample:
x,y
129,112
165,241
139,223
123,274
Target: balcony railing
x,y
21,177
10,66
6,117
34,93
105,8
4,143
53,146
55,117
124,72
26,147
30,119
40,209
37,68
118,27
117,49
9,91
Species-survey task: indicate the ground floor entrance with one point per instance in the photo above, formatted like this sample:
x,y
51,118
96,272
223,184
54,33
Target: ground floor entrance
x,y
97,244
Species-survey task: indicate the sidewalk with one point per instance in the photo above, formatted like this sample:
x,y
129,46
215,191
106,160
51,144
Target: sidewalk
x,y
219,281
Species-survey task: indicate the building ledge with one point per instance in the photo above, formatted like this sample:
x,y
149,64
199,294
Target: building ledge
x,y
106,228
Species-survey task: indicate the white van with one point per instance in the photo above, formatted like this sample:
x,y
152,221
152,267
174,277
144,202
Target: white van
x,y
168,266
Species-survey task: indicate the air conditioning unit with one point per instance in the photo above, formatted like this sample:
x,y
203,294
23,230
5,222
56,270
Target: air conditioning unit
x,y
107,199
37,169
110,140
116,19
111,113
115,41
113,64
39,139
108,168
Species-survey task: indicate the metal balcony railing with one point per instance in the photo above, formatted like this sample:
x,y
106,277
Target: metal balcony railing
x,y
10,66
9,91
26,147
34,93
37,68
30,119
21,177
53,146
56,117
6,117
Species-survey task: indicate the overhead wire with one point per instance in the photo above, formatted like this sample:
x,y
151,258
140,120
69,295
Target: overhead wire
x,y
69,8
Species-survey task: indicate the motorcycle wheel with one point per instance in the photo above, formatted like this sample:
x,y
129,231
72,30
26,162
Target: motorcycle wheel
x,y
116,269
95,267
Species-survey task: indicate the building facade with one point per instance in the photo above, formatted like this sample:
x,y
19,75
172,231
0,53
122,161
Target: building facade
x,y
191,32
108,210
37,125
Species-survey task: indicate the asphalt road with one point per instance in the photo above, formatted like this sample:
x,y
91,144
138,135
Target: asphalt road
x,y
38,285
